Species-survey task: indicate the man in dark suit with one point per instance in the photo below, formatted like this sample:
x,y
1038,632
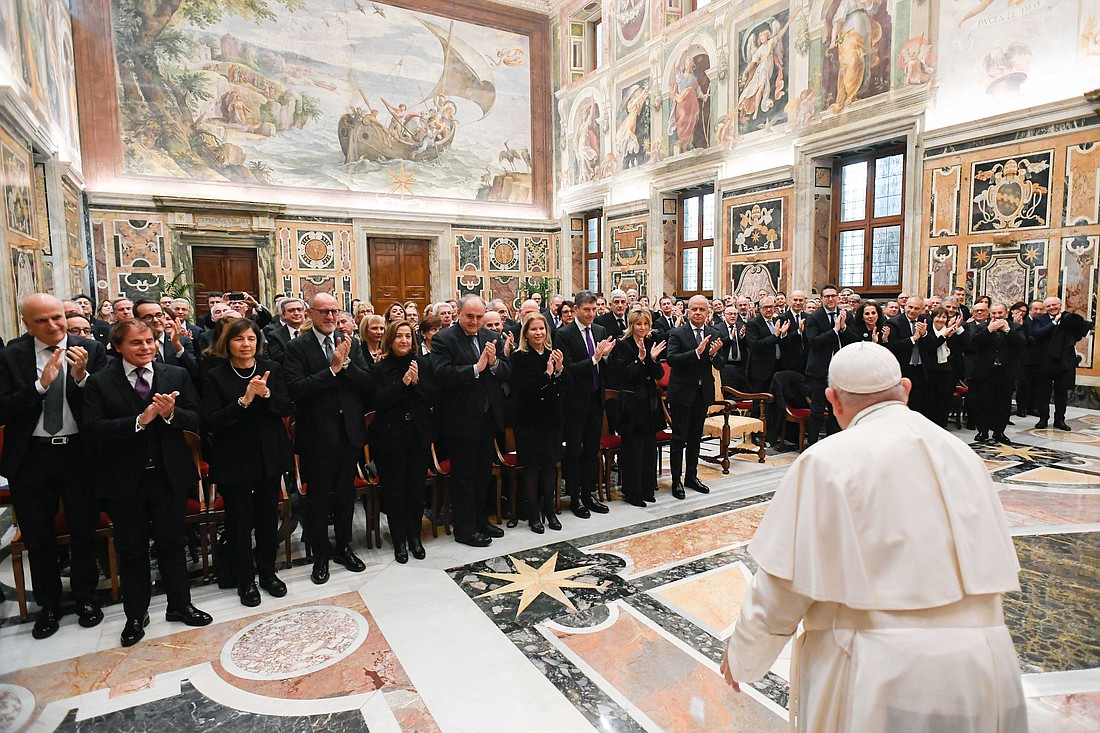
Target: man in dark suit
x,y
135,413
292,314
693,349
663,319
764,335
614,321
825,335
470,374
584,345
992,366
180,309
906,331
42,380
328,379
525,308
1027,388
793,348
100,329
207,320
1054,336
959,293
735,350
173,347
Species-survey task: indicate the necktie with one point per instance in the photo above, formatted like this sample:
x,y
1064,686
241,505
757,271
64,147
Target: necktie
x,y
622,325
832,318
293,333
771,327
698,336
476,348
914,360
328,347
735,348
141,386
592,352
53,405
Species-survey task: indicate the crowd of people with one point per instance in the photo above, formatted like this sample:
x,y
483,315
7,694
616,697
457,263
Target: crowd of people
x,y
119,389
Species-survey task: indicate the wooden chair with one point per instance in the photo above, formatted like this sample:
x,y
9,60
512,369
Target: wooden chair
x,y
726,417
441,493
610,443
208,511
799,416
508,461
745,403
958,403
369,488
5,493
104,530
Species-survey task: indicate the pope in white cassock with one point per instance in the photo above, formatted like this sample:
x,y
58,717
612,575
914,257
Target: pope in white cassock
x,y
889,543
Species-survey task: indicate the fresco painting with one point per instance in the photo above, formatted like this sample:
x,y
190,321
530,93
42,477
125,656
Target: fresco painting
x,y
633,140
857,57
689,102
631,25
587,146
327,94
762,83
19,211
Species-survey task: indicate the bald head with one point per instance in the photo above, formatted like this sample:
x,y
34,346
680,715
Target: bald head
x,y
44,318
324,310
698,311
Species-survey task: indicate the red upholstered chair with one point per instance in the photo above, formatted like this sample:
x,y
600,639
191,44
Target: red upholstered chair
x,y
610,443
370,489
61,528
507,461
208,511
799,416
441,493
958,403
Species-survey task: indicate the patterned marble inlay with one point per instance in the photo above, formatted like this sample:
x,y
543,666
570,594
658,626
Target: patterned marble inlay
x,y
294,643
712,599
16,707
1074,713
1037,508
685,541
1054,617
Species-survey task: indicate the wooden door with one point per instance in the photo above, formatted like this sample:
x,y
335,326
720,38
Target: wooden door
x,y
399,272
225,269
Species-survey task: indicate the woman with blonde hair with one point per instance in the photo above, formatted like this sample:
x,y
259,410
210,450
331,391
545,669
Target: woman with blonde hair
x,y
537,380
371,333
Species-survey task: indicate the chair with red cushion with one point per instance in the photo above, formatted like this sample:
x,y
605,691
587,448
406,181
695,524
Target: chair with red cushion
x,y
441,493
370,489
610,443
507,460
958,403
799,416
206,512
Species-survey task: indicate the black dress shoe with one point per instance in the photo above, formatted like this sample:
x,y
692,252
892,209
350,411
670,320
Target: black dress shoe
x,y
981,437
491,530
593,504
134,630
1001,438
271,583
320,572
1062,426
695,483
46,625
580,510
401,553
633,501
474,540
249,594
1021,413
344,556
537,526
190,615
88,614
1041,425
649,499
677,490
416,548
552,522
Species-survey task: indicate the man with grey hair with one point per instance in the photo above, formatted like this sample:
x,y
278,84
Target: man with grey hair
x,y
1054,336
470,413
615,319
292,315
526,308
844,549
553,311
445,313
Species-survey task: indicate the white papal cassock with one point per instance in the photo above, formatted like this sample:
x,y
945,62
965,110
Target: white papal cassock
x,y
889,542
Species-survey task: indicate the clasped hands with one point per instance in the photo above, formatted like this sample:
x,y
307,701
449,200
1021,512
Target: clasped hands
x,y
163,406
257,387
77,359
713,346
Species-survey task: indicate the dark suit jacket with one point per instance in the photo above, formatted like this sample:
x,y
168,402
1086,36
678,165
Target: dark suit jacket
x,y
101,331
403,413
761,343
639,406
20,403
958,343
901,344
728,338
792,350
662,324
690,373
328,407
611,324
1054,345
111,406
246,443
990,349
462,394
570,340
278,338
822,341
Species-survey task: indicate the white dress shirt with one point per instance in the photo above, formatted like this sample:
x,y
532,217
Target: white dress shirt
x,y
42,356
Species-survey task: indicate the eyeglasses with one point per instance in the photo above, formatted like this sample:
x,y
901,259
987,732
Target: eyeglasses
x,y
151,317
78,331
329,312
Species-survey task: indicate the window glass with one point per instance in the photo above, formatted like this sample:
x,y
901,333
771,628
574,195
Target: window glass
x,y
691,270
853,191
593,235
708,268
594,275
708,217
691,219
885,250
888,177
851,259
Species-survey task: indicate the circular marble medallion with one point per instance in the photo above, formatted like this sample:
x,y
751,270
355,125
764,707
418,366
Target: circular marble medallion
x,y
1062,435
294,643
16,707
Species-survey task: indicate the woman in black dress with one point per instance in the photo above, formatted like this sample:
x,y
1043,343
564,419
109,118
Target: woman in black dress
x,y
401,435
537,380
244,402
635,361
869,324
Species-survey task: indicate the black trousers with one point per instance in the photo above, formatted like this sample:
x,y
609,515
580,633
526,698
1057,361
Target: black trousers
x,y
252,506
687,434
471,456
1056,385
583,428
818,405
330,489
918,395
51,474
941,389
155,511
991,402
1027,390
403,474
638,464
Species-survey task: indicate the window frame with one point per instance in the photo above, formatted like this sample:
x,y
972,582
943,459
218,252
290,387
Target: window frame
x,y
868,222
699,244
589,217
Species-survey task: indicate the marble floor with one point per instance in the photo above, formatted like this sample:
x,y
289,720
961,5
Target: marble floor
x,y
616,623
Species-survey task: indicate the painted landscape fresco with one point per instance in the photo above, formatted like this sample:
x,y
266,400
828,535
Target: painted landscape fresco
x,y
335,94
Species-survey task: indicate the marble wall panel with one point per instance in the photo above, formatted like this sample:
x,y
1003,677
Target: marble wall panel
x,y
1078,285
1011,193
1008,273
946,188
488,261
1082,183
750,278
942,264
756,238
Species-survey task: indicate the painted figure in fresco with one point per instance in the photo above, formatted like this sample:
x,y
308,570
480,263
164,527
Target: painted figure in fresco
x,y
626,136
762,80
509,57
857,51
586,144
915,59
800,111
688,98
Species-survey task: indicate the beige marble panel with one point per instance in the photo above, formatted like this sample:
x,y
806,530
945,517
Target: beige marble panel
x,y
713,599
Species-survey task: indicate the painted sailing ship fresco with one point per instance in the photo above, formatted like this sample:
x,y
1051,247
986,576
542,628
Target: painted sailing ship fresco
x,y
328,94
